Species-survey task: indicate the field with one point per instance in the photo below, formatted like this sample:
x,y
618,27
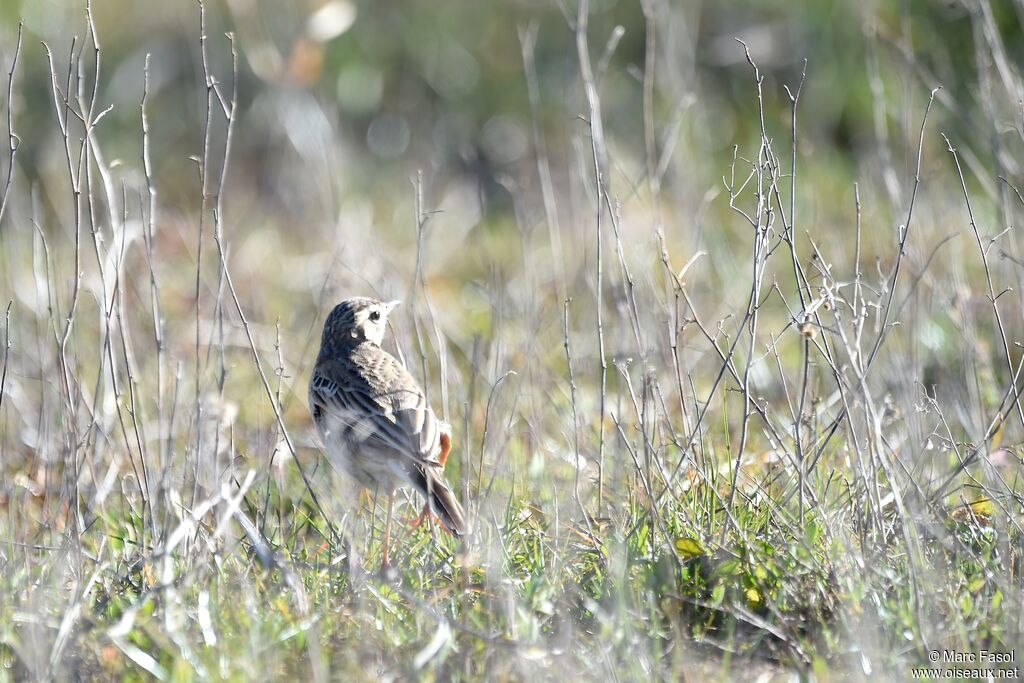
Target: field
x,y
722,301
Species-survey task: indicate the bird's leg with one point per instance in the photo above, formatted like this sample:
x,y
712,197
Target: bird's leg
x,y
385,561
373,513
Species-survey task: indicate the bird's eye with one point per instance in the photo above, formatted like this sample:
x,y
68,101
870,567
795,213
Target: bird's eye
x,y
374,316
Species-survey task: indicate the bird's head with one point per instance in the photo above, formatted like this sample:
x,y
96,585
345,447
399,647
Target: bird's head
x,y
356,320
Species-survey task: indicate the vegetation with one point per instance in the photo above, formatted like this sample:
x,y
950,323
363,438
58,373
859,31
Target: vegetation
x,y
728,331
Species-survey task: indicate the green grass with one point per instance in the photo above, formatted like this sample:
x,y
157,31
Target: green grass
x,y
549,600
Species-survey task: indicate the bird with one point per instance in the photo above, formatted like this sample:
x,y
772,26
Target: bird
x,y
373,417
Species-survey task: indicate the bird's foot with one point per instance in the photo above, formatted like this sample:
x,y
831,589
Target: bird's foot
x,y
416,521
423,516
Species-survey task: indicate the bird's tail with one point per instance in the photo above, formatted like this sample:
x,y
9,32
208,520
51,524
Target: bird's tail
x,y
432,486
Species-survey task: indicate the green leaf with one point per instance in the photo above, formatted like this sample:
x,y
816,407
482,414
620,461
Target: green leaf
x,y
983,507
813,533
730,567
717,594
689,548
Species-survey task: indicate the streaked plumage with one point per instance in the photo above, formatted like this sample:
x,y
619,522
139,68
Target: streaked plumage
x,y
372,415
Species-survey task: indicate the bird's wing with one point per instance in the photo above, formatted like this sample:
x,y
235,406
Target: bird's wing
x,y
416,419
378,403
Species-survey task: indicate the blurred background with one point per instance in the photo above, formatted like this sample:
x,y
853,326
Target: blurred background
x,y
342,102
342,105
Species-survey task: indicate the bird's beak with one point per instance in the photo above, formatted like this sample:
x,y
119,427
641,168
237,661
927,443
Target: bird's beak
x,y
391,305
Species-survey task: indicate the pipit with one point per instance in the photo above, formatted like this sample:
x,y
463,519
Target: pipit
x,y
373,417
